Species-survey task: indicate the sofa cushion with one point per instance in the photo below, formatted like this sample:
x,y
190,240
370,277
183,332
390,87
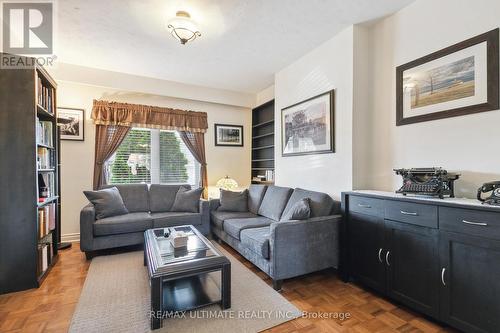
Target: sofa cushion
x,y
257,240
170,219
107,202
161,197
274,202
218,217
231,201
321,203
255,196
233,227
123,224
300,210
187,200
135,196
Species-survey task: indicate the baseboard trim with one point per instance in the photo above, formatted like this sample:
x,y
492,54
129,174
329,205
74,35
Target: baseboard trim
x,y
75,237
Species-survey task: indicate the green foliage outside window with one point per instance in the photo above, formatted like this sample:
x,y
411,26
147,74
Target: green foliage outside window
x,y
132,161
136,169
172,160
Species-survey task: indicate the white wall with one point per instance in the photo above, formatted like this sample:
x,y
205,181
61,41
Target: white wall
x,y
147,85
325,68
362,108
465,144
359,63
265,95
77,157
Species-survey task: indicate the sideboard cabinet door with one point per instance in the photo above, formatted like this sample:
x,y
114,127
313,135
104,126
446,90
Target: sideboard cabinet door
x,y
366,245
470,286
413,266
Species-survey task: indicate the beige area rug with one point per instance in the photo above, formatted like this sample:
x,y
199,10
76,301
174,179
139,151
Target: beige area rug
x,y
116,298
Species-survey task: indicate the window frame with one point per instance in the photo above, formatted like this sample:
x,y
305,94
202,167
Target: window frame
x,y
155,161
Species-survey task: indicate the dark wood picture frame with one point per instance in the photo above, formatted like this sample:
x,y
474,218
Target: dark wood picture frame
x,y
239,127
82,124
492,40
331,93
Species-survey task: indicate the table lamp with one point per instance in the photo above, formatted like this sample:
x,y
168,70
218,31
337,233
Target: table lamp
x,y
227,183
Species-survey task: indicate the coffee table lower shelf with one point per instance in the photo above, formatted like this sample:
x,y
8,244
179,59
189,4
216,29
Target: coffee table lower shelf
x,y
190,293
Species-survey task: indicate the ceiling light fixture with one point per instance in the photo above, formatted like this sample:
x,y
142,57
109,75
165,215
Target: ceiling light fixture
x,y
183,28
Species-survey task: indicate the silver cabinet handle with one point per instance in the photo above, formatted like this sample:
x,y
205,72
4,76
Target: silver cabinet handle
x,y
387,258
380,256
409,213
442,276
475,223
364,206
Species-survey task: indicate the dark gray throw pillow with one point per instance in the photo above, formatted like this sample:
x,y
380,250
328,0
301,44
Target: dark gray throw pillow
x,y
233,201
187,201
107,202
301,210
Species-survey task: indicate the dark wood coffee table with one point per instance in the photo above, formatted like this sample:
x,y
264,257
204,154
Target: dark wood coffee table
x,y
179,278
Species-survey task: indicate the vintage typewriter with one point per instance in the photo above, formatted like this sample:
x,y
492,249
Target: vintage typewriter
x,y
427,181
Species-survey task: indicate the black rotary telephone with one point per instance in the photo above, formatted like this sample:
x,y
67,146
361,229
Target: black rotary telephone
x,y
494,188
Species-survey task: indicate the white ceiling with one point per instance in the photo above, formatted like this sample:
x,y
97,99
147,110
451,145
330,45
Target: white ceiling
x,y
243,42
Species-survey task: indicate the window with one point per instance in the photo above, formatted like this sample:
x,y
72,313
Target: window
x,y
153,156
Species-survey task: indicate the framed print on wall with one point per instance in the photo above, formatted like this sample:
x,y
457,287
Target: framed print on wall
x,y
308,126
71,123
455,81
228,135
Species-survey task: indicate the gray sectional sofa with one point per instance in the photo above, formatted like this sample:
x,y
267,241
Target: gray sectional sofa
x,y
282,249
148,206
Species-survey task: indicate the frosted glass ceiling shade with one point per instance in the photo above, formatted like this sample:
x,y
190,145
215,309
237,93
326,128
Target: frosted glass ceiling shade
x,y
183,28
227,183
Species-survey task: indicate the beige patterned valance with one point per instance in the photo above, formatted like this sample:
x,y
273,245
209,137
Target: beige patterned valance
x,y
136,115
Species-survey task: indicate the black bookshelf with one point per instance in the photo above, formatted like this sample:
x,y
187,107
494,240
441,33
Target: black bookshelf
x,y
29,170
263,143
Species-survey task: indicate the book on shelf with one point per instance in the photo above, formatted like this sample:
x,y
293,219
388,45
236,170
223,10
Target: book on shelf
x,y
46,220
44,133
268,176
45,95
44,257
44,158
46,185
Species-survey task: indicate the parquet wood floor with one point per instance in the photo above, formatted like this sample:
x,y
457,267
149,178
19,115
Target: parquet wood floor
x,y
50,307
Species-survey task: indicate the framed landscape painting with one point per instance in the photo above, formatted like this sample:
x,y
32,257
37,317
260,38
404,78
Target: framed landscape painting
x,y
228,135
458,80
71,123
308,127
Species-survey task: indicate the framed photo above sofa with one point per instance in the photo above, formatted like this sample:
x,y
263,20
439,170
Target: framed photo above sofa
x,y
308,127
71,123
228,135
455,81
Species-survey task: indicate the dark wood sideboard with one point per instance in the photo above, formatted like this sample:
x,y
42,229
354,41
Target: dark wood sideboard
x,y
438,257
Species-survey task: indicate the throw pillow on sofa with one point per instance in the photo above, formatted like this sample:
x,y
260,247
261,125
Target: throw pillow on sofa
x,y
187,200
233,201
107,202
301,210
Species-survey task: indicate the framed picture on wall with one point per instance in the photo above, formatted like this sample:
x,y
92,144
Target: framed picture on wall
x,y
228,135
455,81
308,127
71,123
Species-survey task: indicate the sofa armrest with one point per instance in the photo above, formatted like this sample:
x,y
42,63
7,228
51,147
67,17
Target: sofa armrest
x,y
87,219
304,246
204,209
214,204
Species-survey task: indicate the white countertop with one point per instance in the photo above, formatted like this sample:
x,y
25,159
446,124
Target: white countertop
x,y
456,201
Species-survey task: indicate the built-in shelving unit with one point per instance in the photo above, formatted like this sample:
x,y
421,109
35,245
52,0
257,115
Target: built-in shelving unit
x,y
29,174
263,144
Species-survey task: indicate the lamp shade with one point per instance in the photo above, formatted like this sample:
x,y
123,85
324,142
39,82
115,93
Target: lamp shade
x,y
183,28
227,183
